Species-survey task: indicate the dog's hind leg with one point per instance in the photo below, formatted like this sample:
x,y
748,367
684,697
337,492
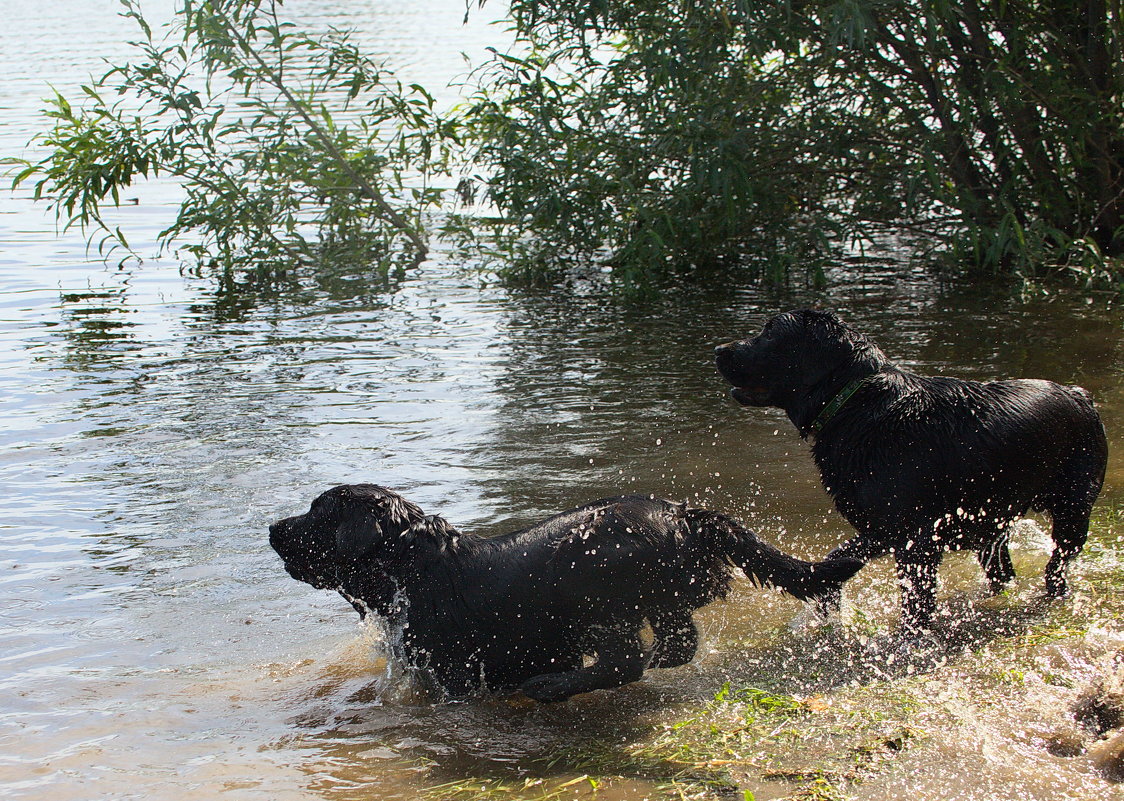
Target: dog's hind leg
x,y
995,559
1070,510
620,660
1070,504
1069,538
677,639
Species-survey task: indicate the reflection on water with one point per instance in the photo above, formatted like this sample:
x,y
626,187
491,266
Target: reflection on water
x,y
149,431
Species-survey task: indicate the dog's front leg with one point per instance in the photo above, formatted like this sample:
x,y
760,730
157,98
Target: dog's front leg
x,y
620,660
918,578
457,671
677,639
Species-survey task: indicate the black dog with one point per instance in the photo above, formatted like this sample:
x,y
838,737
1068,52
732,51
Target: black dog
x,y
522,610
918,464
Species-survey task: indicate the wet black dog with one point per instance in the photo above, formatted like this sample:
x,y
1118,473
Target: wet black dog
x,y
524,609
920,465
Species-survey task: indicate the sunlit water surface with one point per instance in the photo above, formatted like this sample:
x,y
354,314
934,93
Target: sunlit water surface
x,y
154,648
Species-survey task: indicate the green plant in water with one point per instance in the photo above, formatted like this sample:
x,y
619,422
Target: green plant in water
x,y
531,788
758,701
648,137
289,147
666,134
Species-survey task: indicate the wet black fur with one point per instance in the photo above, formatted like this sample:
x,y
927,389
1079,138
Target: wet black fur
x,y
523,609
920,464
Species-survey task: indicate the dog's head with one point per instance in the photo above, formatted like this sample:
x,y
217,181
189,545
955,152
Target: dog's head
x,y
794,352
353,539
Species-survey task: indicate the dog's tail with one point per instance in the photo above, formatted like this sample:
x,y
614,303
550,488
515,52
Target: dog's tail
x,y
766,564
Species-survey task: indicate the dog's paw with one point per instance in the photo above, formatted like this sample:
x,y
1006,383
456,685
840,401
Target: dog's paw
x,y
547,688
1057,589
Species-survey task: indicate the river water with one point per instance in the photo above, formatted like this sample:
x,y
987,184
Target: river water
x,y
151,429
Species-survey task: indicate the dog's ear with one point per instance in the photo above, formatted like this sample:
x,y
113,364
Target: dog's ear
x,y
359,535
827,344
373,524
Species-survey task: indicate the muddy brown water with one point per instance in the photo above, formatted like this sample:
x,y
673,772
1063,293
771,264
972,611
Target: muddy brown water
x,y
154,648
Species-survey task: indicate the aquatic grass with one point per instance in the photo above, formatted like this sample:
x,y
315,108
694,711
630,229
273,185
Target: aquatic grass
x,y
536,789
819,788
748,735
742,736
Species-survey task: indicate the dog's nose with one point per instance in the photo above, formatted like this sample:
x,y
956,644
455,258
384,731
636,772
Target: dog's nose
x,y
725,355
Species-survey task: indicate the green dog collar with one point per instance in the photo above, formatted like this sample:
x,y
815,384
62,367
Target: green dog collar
x,y
836,403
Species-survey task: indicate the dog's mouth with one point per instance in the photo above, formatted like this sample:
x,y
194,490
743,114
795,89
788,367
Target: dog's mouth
x,y
309,576
755,395
733,367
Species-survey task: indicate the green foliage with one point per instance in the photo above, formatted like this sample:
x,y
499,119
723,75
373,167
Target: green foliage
x,y
673,133
757,702
646,136
652,146
290,148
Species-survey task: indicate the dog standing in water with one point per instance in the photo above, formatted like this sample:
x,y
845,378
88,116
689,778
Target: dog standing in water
x,y
921,465
523,610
